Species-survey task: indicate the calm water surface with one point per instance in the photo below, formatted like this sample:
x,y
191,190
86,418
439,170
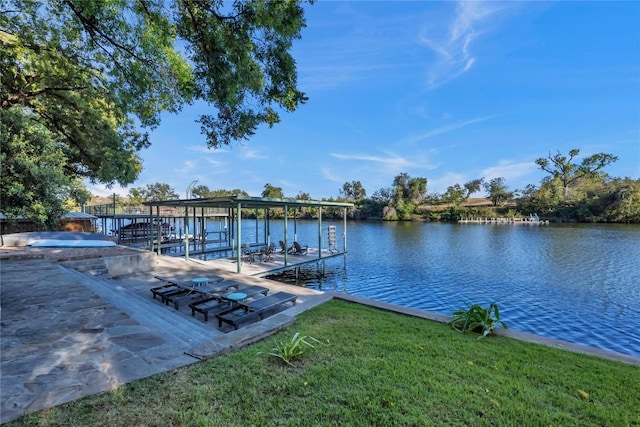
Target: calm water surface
x,y
579,283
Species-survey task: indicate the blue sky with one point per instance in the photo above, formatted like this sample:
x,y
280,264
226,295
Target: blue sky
x,y
449,91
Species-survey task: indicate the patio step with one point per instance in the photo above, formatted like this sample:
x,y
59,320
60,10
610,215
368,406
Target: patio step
x,y
94,267
168,323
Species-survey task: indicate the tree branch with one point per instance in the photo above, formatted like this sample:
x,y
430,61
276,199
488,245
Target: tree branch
x,y
94,30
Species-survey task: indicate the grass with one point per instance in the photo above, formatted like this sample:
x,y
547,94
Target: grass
x,y
374,368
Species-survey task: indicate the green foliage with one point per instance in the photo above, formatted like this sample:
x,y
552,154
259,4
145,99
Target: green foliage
x,y
33,183
291,349
353,191
369,208
498,191
202,192
593,199
406,195
409,189
272,192
568,172
404,209
473,186
621,201
153,192
93,76
476,318
383,195
234,192
455,194
452,213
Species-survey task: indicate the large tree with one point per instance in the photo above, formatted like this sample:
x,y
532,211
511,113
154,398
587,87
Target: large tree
x,y
353,191
32,183
96,75
455,194
568,172
408,188
272,192
497,190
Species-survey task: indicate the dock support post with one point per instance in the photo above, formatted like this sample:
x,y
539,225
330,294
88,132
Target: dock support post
x,y
344,231
267,228
319,231
203,232
286,241
186,233
239,238
159,237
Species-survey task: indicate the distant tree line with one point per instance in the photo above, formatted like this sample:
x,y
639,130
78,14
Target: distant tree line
x,y
572,192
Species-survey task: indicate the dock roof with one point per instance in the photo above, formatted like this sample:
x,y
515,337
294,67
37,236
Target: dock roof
x,y
246,202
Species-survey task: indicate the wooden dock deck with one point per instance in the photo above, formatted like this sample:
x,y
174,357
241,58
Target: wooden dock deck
x,y
259,268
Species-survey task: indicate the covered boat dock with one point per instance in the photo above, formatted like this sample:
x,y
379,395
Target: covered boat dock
x,y
241,260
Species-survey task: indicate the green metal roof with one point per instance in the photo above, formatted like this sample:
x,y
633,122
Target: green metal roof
x,y
247,202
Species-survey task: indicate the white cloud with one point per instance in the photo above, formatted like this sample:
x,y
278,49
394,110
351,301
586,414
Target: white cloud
x,y
452,44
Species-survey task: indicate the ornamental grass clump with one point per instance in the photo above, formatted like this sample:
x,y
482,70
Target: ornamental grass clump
x,y
292,349
478,319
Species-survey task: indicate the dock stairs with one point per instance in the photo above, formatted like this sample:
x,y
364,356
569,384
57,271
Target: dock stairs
x,y
175,327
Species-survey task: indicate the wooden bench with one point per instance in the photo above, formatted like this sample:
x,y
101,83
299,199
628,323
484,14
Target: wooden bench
x,y
175,291
166,291
255,308
212,302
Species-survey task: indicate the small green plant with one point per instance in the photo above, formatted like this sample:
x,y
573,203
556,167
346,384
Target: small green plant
x,y
289,350
477,319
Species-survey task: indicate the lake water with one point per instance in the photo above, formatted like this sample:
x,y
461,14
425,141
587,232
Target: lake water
x,y
578,283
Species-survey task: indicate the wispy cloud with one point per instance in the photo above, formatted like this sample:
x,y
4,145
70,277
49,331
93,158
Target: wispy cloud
x,y
390,161
206,150
216,166
509,170
331,175
358,46
188,166
444,129
253,154
329,77
453,43
440,184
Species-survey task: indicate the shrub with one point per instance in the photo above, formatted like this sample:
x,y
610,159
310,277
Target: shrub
x,y
477,319
289,350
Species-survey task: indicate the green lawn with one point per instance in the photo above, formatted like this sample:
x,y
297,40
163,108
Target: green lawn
x,y
375,368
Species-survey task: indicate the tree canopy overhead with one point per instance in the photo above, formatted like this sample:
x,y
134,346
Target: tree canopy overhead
x,y
96,74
